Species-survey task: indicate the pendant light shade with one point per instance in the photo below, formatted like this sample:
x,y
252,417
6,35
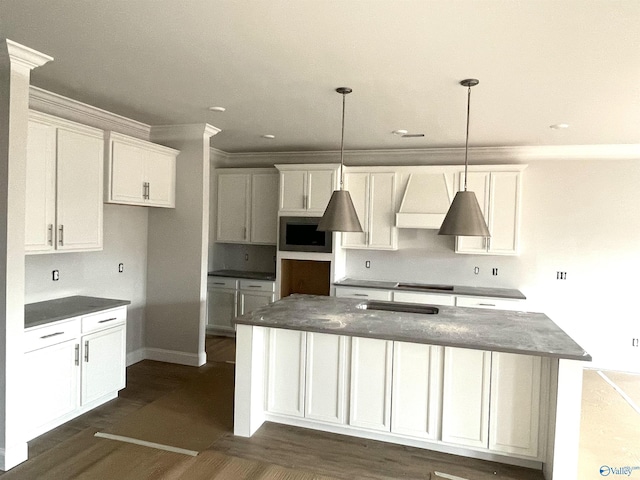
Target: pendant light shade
x,y
464,217
340,214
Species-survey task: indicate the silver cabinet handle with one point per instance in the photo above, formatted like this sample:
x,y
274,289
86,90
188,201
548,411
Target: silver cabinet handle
x,y
108,320
360,295
50,234
254,286
77,354
487,304
148,190
86,350
218,283
244,233
52,335
61,235
144,190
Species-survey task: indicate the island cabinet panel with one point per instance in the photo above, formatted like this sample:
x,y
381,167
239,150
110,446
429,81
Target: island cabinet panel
x,y
326,380
515,403
371,369
465,400
286,354
417,390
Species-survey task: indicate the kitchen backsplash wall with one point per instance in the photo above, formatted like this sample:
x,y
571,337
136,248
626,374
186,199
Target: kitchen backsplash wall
x,y
96,273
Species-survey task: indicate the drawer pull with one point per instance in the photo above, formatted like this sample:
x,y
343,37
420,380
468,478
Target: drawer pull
x,y
487,304
86,350
254,286
218,283
52,335
360,295
77,354
108,320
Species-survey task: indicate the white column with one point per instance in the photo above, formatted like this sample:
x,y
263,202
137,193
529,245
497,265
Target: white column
x,y
16,63
248,407
178,248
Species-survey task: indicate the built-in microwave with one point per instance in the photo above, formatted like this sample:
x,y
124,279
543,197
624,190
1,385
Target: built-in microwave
x,y
300,234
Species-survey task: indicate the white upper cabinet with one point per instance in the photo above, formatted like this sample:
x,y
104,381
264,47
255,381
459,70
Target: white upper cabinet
x,y
139,172
63,210
374,198
498,193
306,189
247,206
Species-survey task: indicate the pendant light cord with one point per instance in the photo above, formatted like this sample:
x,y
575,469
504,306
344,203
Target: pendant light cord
x,y
344,96
466,143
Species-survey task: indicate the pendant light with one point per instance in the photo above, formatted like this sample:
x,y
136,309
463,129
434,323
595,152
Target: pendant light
x,y
340,214
464,217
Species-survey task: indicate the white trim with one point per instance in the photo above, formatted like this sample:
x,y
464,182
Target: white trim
x,y
24,56
60,106
620,391
174,356
182,132
135,356
15,455
144,443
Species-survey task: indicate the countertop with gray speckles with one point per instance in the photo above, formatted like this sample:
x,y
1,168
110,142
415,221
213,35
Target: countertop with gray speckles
x,y
482,329
50,311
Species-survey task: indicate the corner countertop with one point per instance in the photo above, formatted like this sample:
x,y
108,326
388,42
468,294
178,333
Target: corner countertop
x,y
49,311
509,293
481,329
244,274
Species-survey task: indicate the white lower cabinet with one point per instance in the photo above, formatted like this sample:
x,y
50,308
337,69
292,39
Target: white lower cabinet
x,y
371,363
425,298
465,397
286,354
254,294
363,293
103,364
327,386
416,390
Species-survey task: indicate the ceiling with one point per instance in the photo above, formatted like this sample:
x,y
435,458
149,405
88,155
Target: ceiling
x,y
274,65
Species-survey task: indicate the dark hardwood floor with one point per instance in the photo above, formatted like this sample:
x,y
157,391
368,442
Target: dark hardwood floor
x,y
275,451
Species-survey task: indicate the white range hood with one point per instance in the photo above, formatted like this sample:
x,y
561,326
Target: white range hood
x,y
426,200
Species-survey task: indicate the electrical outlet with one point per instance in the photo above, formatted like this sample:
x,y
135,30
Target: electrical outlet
x,y
634,342
55,275
476,270
367,264
494,272
120,267
561,275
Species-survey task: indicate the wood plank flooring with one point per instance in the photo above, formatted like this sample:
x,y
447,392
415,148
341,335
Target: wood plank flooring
x,y
275,451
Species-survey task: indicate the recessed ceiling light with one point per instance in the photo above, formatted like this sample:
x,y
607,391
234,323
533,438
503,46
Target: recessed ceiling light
x,y
400,132
559,126
217,109
269,136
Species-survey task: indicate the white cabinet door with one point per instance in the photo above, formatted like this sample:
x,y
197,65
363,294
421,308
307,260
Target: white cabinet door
x,y
233,207
465,399
363,293
40,207
286,352
320,185
293,196
371,362
250,300
264,208
51,386
160,175
515,403
103,363
79,191
424,298
326,380
417,390
382,233
358,186
127,173
491,303
478,183
222,307
504,213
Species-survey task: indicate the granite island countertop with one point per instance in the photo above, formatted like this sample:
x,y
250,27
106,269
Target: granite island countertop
x,y
510,293
49,311
244,274
481,329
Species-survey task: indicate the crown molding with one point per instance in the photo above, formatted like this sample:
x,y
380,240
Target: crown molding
x,y
64,107
193,131
24,57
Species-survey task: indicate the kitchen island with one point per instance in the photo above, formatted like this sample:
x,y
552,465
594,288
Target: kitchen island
x,y
483,383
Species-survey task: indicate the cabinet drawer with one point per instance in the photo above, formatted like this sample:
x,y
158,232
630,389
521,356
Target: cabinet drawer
x,y
490,302
222,282
40,337
104,319
425,298
363,293
257,285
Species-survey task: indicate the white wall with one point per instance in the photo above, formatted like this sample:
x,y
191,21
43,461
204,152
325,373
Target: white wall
x,y
96,273
582,217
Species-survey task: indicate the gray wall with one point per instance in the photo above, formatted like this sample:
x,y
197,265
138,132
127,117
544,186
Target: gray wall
x,y
96,273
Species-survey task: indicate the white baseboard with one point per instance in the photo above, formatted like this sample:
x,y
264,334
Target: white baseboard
x,y
12,456
135,356
173,356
